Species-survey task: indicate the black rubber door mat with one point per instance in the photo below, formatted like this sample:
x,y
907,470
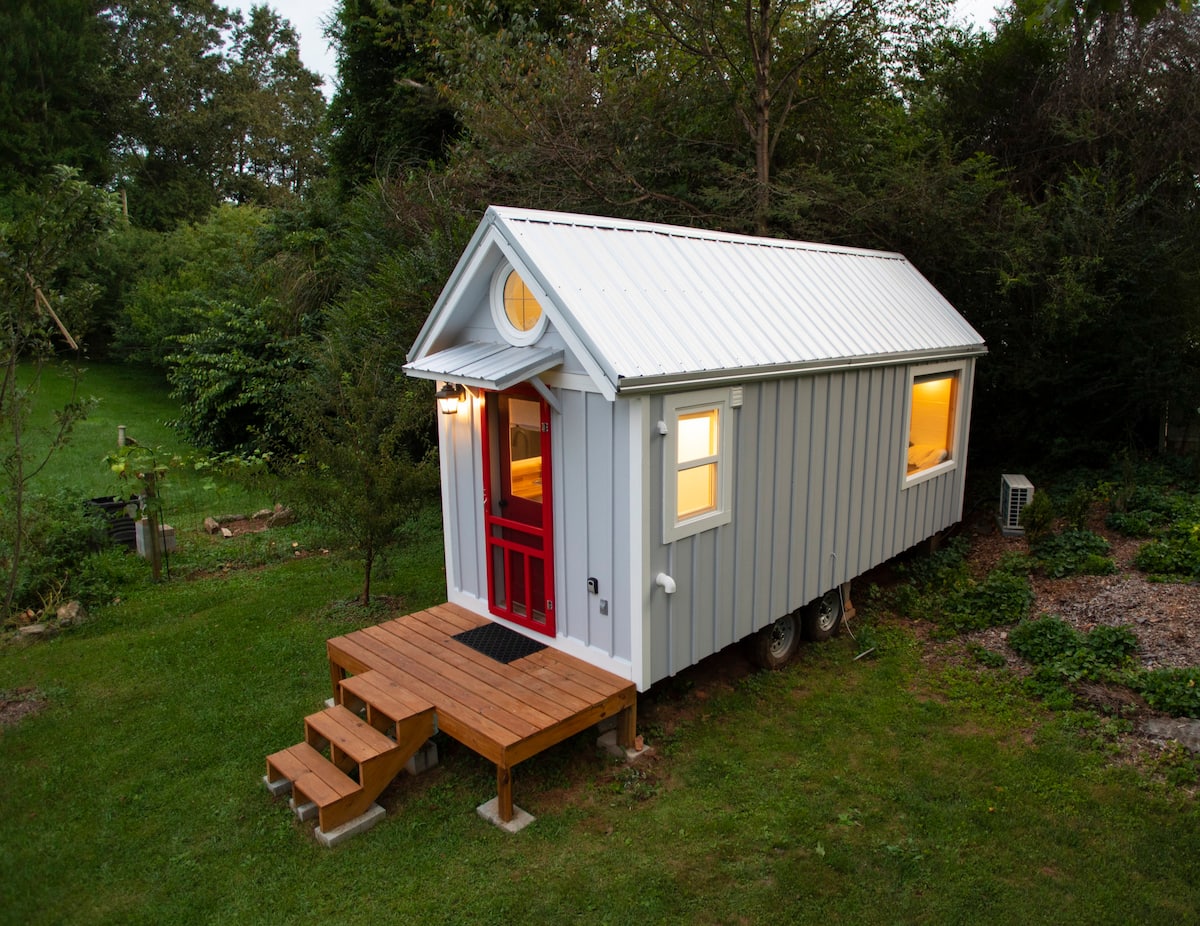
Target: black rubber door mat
x,y
499,643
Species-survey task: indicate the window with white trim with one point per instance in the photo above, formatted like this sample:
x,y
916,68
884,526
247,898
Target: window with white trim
x,y
697,472
933,421
515,309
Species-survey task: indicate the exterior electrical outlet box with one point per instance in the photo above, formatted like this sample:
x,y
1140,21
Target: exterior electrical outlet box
x,y
1015,493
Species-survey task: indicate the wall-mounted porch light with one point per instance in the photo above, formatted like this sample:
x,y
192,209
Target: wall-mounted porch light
x,y
448,397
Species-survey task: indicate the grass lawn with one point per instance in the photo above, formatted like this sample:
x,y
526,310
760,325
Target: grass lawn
x,y
893,789
871,791
139,399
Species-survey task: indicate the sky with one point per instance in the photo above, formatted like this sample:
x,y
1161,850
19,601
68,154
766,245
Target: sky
x,y
306,17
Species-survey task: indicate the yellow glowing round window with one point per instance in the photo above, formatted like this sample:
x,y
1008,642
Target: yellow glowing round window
x,y
520,308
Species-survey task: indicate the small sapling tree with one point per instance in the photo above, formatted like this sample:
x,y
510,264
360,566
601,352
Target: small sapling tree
x,y
41,304
369,461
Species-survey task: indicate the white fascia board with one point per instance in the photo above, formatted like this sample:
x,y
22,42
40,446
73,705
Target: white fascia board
x,y
639,542
601,373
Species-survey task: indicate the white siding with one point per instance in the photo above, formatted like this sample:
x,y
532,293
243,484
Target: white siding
x,y
591,454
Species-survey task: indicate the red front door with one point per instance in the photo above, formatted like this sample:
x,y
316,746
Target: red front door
x,y
517,511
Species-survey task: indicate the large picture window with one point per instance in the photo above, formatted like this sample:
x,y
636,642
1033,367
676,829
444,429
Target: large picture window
x,y
697,479
932,421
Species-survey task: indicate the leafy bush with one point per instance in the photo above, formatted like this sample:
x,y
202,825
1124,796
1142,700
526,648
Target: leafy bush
x,y
1037,518
1043,640
1130,523
1073,553
1172,691
232,377
1078,507
63,558
1001,598
1060,652
1170,557
941,590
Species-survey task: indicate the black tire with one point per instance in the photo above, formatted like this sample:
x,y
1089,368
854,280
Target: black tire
x,y
823,618
776,644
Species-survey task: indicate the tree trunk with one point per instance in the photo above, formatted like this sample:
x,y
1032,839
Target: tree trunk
x,y
368,563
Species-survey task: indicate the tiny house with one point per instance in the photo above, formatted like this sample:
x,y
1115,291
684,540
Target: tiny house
x,y
657,441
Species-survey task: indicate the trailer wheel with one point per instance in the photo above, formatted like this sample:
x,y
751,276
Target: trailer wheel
x,y
776,644
823,617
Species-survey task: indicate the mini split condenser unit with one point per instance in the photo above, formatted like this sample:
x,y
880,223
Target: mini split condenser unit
x,y
1015,493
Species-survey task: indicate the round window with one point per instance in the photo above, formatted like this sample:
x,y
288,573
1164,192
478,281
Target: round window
x,y
520,308
518,315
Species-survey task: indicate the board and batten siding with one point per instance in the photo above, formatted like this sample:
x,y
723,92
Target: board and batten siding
x,y
819,498
590,447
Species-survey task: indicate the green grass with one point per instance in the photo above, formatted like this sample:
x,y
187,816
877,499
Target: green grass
x,y
139,399
884,790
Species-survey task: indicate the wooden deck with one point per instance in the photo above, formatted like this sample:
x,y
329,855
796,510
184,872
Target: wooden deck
x,y
504,712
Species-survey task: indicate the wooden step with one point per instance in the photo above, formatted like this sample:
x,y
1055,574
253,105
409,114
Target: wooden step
x,y
347,733
312,775
387,701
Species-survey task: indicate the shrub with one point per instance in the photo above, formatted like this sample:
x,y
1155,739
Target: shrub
x,y
1172,691
1077,508
1130,523
1043,640
1037,518
941,590
1060,651
1001,598
1170,557
1073,553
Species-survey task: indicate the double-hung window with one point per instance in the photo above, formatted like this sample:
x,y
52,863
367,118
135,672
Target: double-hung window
x,y
697,472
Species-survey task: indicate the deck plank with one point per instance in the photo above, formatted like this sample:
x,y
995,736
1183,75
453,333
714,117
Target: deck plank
x,y
493,696
467,721
548,698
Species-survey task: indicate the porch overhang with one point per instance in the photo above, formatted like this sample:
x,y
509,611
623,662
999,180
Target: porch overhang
x,y
484,365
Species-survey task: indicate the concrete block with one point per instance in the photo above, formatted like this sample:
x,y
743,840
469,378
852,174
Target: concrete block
x,y
304,812
278,788
608,742
423,759
141,533
490,811
359,824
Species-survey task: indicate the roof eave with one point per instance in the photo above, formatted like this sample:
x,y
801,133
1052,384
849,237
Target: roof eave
x,y
632,385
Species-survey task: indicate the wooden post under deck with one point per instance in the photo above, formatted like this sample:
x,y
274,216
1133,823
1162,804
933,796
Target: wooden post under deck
x,y
504,798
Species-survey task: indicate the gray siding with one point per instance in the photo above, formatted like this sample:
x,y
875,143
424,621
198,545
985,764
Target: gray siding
x,y
591,448
819,498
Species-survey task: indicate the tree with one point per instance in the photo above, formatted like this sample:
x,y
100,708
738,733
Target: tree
x,y
55,103
386,111
369,463
40,306
213,109
773,58
1093,321
168,67
274,112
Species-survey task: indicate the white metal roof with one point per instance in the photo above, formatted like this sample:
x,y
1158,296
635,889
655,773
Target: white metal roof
x,y
486,365
651,306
